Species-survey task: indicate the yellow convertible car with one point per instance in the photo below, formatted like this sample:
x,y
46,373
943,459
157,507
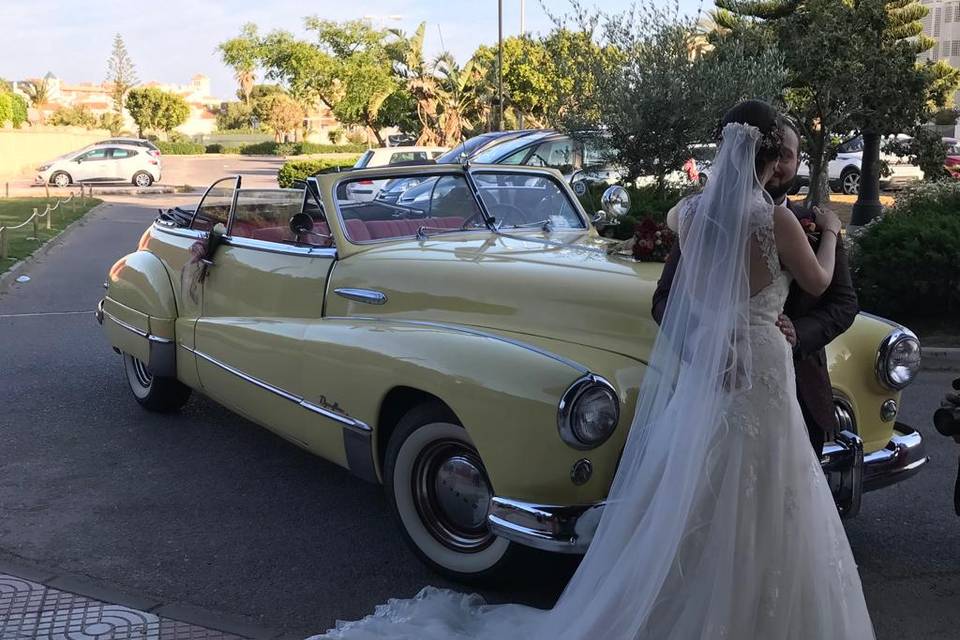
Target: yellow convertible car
x,y
464,338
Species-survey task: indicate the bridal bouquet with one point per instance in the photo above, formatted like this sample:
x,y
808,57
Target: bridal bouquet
x,y
652,241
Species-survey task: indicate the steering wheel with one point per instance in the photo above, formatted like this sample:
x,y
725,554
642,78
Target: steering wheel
x,y
504,212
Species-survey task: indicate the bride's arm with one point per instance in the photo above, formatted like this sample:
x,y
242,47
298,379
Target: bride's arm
x,y
813,272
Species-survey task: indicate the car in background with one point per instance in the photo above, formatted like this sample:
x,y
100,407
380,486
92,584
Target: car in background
x,y
151,148
952,163
365,190
844,170
401,140
102,164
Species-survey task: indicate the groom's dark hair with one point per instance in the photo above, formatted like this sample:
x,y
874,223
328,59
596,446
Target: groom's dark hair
x,y
764,117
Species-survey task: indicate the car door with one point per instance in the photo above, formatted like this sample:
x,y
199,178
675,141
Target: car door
x,y
123,164
90,166
265,285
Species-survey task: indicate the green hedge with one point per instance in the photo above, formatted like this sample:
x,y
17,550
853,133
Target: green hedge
x,y
906,264
222,148
13,108
301,169
298,148
180,148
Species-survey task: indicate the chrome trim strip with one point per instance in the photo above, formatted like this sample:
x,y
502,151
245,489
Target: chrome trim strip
x,y
273,247
128,327
352,423
254,381
179,231
347,421
368,296
903,456
153,338
469,331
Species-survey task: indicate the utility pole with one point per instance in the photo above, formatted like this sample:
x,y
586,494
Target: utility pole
x,y
523,34
500,65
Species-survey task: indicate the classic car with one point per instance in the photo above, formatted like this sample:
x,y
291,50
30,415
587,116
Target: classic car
x,y
477,352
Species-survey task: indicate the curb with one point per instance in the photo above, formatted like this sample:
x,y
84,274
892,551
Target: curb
x,y
18,268
96,590
940,359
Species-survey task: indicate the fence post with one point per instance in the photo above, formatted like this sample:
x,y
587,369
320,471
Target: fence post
x,y
3,243
49,215
46,189
36,225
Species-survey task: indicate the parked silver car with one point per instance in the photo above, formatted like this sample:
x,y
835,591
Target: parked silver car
x,y
102,164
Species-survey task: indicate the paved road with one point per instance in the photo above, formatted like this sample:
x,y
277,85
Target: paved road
x,y
206,509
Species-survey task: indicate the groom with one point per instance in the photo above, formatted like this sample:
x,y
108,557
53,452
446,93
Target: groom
x,y
809,323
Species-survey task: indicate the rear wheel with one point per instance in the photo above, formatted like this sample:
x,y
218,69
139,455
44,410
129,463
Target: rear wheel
x,y
142,179
439,491
850,182
155,393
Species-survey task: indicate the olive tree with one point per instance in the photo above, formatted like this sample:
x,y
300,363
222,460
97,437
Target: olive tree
x,y
156,110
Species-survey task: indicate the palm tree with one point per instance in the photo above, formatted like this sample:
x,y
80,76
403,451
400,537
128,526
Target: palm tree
x,y
37,91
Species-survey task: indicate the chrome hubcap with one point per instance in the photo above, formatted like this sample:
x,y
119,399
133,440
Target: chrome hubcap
x,y
852,183
142,180
453,496
144,377
61,181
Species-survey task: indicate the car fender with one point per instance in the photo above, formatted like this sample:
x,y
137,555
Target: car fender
x,y
504,391
140,310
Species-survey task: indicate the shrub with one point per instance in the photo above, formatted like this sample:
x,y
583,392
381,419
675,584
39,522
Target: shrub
x,y
906,264
302,169
180,148
13,109
77,116
271,148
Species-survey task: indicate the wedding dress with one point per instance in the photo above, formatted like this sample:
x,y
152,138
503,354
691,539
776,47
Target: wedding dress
x,y
719,523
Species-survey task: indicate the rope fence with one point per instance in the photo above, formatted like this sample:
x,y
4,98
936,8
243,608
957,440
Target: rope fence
x,y
35,218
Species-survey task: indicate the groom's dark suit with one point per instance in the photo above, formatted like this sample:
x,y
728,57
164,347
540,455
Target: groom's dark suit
x,y
817,322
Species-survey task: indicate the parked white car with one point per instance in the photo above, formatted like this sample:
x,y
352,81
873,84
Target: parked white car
x,y
844,170
102,164
365,190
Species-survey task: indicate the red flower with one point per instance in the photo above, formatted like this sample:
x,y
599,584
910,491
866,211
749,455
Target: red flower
x,y
647,226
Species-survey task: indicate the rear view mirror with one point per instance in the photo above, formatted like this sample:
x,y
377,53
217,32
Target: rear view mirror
x,y
301,223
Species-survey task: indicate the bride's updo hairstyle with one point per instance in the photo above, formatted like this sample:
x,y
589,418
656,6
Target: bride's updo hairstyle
x,y
764,117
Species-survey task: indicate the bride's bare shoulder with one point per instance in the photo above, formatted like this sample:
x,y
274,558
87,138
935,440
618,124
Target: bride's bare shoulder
x,y
673,216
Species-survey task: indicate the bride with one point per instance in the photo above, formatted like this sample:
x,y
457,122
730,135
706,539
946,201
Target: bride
x,y
719,523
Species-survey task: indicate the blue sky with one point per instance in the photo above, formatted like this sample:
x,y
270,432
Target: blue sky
x,y
171,40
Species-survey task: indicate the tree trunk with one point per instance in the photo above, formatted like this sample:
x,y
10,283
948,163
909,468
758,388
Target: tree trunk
x,y
376,133
867,206
819,190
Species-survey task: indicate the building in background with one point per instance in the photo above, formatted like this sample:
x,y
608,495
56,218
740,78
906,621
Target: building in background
x,y
97,99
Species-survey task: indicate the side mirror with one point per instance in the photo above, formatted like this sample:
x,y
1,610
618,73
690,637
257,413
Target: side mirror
x,y
615,201
301,223
79,160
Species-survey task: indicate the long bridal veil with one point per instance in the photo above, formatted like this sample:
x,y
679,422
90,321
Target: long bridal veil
x,y
653,532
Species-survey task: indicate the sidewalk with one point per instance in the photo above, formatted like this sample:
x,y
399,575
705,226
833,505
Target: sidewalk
x,y
31,610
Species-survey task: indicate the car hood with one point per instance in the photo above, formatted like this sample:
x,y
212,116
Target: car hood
x,y
571,291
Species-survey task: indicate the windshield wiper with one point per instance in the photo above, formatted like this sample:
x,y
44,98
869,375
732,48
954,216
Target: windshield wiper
x,y
546,225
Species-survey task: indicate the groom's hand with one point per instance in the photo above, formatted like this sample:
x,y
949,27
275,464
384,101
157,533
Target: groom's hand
x,y
787,329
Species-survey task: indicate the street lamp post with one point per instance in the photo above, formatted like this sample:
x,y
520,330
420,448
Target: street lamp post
x,y
499,65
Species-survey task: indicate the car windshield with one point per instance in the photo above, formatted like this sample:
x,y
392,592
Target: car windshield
x,y
493,154
428,204
518,200
363,160
467,147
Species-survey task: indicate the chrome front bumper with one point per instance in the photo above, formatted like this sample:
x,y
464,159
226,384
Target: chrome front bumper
x,y
850,472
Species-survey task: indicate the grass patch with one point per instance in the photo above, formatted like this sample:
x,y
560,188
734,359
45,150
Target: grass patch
x,y
21,242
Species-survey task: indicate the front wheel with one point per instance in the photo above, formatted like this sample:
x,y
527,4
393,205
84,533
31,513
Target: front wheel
x,y
155,393
142,179
61,179
439,491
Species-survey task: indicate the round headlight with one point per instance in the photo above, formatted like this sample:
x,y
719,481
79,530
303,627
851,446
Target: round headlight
x,y
588,412
898,359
